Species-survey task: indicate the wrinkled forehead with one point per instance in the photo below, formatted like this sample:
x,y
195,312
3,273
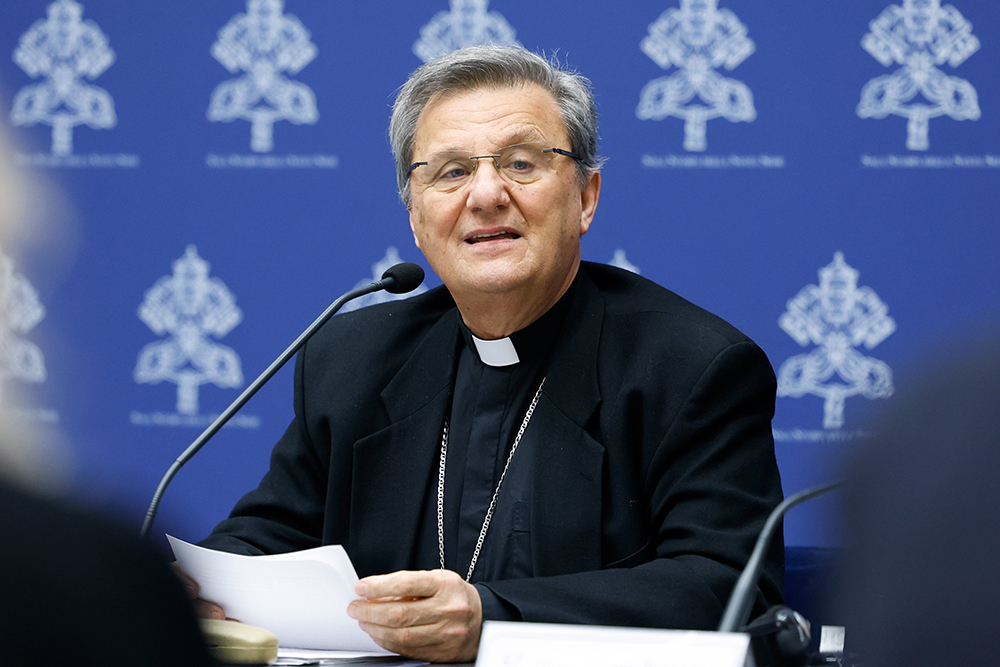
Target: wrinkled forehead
x,y
523,112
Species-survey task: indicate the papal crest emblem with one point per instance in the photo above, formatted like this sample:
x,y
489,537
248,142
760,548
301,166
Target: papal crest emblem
x,y
920,36
190,308
264,44
466,24
20,312
697,39
64,50
837,316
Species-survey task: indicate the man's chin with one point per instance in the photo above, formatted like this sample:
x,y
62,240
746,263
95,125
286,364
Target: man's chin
x,y
493,278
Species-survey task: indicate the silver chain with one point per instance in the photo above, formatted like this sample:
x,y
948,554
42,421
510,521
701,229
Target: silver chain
x,y
496,494
444,455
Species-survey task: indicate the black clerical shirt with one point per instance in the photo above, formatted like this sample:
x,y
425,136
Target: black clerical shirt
x,y
489,404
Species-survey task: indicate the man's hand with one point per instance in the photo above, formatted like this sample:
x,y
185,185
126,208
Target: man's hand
x,y
429,615
202,608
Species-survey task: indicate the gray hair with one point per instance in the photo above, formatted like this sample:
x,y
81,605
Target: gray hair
x,y
489,66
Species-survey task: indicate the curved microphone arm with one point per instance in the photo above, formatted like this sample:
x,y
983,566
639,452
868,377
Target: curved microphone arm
x,y
740,602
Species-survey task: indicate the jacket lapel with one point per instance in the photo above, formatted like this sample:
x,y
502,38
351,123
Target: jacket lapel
x,y
394,466
566,495
568,465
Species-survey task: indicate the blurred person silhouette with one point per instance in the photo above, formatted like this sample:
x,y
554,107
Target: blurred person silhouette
x,y
922,509
75,588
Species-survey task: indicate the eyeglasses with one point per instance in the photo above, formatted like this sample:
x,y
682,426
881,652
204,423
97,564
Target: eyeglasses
x,y
520,163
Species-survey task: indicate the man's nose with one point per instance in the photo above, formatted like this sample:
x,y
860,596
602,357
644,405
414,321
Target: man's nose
x,y
487,188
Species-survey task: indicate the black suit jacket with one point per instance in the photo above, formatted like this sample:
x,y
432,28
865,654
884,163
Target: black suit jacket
x,y
655,472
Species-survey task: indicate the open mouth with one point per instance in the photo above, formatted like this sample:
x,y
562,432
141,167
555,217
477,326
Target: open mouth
x,y
494,236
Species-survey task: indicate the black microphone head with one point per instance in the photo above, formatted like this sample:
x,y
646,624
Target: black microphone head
x,y
406,277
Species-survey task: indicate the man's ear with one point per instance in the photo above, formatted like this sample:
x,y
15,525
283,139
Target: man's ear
x,y
589,195
413,227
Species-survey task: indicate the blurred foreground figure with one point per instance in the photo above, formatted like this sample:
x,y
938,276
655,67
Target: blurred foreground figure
x,y
79,590
75,589
923,514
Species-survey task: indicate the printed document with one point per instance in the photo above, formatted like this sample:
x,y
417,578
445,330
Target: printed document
x,y
301,597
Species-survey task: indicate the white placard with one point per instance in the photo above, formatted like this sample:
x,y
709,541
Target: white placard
x,y
831,638
554,645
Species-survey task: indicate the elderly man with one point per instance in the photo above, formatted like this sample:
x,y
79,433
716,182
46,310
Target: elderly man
x,y
541,439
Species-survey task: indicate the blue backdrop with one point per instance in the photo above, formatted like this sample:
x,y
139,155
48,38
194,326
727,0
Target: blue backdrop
x,y
750,145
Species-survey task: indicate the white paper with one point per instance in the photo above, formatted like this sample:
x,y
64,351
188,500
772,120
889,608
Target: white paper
x,y
301,597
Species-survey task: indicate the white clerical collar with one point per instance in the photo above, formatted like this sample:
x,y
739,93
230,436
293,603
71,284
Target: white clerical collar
x,y
496,352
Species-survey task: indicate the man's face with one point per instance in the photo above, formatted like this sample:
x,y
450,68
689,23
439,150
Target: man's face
x,y
492,235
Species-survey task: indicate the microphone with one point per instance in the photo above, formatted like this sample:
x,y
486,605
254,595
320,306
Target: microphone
x,y
403,277
740,601
398,279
